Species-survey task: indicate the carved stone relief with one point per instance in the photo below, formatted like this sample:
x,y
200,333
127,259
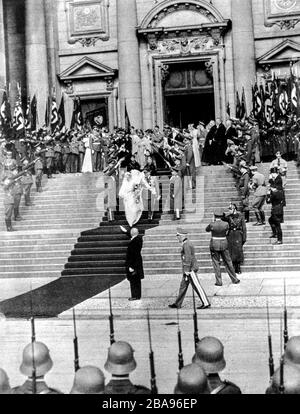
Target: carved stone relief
x,y
88,21
282,13
182,46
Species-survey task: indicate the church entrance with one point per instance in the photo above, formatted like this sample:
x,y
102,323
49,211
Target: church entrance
x,y
188,94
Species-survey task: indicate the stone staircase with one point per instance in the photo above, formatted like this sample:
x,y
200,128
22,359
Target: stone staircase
x,y
42,241
216,188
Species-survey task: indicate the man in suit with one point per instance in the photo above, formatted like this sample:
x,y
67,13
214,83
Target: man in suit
x,y
134,264
219,248
219,143
189,268
276,198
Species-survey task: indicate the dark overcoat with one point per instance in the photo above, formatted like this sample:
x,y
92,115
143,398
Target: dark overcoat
x,y
134,258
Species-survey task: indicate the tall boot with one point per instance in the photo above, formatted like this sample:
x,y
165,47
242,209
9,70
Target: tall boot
x,y
247,216
258,222
239,269
262,217
8,225
17,215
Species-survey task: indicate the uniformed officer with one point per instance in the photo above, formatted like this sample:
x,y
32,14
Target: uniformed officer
x,y
9,163
17,192
38,171
258,184
4,383
97,152
120,363
74,153
189,268
210,357
8,200
88,380
276,198
27,182
281,166
35,355
49,155
291,381
66,156
57,155
219,248
176,193
245,191
192,380
81,149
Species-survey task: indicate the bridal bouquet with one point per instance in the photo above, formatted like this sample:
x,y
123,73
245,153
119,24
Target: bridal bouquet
x,y
137,193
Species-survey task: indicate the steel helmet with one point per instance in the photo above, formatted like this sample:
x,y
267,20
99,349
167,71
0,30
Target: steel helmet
x,y
41,356
192,380
210,355
4,382
292,351
120,359
291,380
88,380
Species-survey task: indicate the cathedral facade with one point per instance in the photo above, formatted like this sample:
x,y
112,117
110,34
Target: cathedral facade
x,y
157,61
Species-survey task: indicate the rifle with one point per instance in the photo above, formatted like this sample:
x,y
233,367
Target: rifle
x,y
9,181
285,331
111,321
75,343
151,358
33,375
271,359
180,354
196,337
281,381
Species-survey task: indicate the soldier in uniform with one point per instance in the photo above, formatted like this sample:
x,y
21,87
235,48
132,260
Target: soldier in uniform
x,y
219,248
210,357
291,377
192,380
81,149
49,155
120,363
88,380
66,156
27,182
4,383
38,170
281,166
97,153
74,149
276,198
58,168
17,192
258,184
9,163
189,268
8,200
243,185
176,193
35,355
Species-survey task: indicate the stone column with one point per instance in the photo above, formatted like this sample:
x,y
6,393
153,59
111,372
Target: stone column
x,y
2,50
52,44
36,55
15,50
129,63
243,48
146,87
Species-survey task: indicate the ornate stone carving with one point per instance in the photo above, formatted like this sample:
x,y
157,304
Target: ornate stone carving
x,y
69,87
88,21
183,46
109,83
282,13
165,73
209,68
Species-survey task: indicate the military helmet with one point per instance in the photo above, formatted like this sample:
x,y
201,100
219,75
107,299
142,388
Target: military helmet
x,y
192,380
291,380
88,380
292,351
41,356
210,355
120,359
4,382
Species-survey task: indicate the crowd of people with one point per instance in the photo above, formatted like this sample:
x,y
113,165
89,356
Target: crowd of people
x,y
201,376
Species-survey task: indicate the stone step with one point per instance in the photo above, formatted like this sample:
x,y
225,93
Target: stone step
x,y
36,250
98,271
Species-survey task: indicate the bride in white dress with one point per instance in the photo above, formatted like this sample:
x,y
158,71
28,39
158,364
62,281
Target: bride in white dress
x,y
87,166
134,183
